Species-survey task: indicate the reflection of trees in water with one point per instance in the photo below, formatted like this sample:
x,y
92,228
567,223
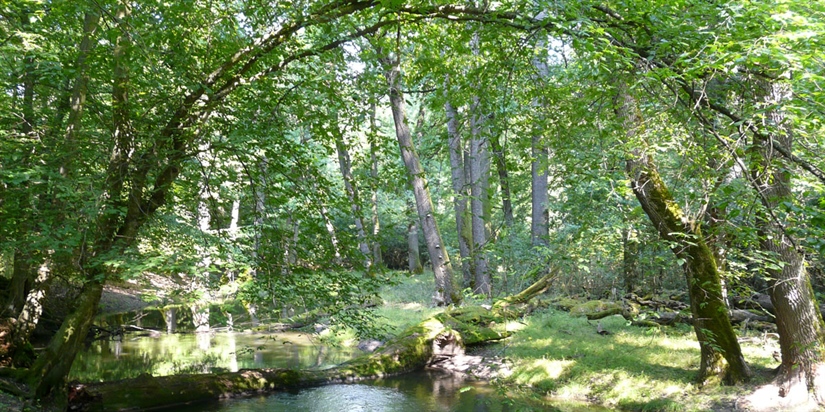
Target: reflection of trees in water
x,y
170,317
110,361
232,351
204,341
176,353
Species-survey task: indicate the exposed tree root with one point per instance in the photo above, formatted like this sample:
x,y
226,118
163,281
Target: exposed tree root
x,y
791,391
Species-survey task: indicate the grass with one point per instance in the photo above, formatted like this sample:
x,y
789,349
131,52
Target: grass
x,y
406,303
631,369
560,356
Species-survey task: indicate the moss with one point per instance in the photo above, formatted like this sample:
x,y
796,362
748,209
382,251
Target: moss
x,y
594,306
566,303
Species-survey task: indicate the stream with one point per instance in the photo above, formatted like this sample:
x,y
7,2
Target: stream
x,y
161,353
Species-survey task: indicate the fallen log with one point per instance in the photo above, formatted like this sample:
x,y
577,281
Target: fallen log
x,y
740,315
419,346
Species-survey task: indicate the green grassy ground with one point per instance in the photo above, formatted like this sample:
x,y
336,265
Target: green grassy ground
x,y
560,356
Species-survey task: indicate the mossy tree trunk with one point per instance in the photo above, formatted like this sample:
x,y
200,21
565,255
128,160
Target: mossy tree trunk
x,y
51,368
711,321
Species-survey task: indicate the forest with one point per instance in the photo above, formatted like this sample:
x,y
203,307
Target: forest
x,y
655,164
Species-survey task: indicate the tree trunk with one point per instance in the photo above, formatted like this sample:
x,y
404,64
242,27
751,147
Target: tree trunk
x,y
540,218
500,157
32,309
20,283
630,259
460,195
376,223
331,231
446,293
48,374
479,184
345,165
711,321
798,319
540,214
77,101
412,249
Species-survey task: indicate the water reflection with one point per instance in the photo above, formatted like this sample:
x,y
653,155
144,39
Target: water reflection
x,y
169,354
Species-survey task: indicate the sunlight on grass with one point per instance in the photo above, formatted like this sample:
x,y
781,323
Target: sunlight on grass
x,y
406,303
545,369
631,368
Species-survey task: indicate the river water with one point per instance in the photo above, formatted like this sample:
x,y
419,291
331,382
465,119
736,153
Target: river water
x,y
160,354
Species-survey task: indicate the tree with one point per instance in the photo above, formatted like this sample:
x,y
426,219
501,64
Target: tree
x,y
446,292
711,321
798,319
460,195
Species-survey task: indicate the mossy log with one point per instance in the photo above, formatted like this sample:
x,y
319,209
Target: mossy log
x,y
605,313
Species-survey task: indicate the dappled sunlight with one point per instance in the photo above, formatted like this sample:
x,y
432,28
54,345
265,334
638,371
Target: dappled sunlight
x,y
411,306
514,326
546,369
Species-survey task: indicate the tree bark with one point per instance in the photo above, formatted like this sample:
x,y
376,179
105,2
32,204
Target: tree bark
x,y
460,194
798,319
51,368
414,255
446,293
376,222
77,101
540,213
711,321
32,308
479,185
